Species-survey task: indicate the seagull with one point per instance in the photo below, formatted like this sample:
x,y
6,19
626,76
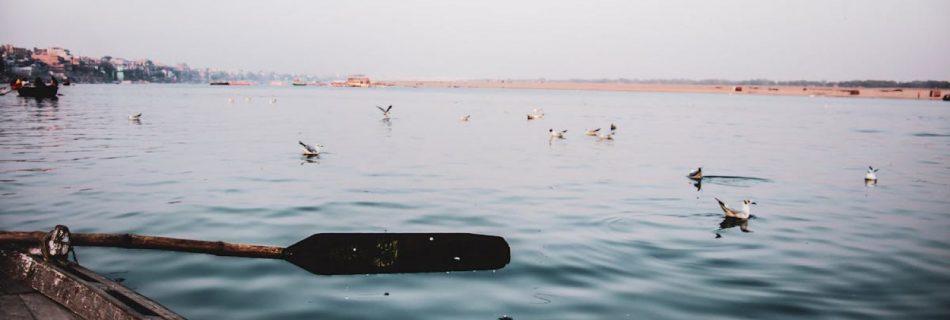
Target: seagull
x,y
230,100
385,111
592,132
536,113
310,150
605,136
273,100
465,118
696,174
733,213
557,134
613,127
135,116
871,176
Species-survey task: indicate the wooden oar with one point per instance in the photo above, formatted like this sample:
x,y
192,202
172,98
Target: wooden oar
x,y
327,253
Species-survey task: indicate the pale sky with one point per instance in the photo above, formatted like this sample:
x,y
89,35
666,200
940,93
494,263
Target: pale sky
x,y
695,39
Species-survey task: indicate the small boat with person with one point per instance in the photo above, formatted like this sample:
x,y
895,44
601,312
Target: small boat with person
x,y
37,89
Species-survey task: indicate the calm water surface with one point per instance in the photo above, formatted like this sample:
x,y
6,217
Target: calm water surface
x,y
598,230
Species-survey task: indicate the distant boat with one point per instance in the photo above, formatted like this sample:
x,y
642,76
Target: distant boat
x,y
299,82
231,83
946,97
38,92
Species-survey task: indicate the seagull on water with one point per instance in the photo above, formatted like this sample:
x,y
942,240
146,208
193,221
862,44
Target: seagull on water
x,y
605,136
310,150
465,118
739,214
592,132
136,116
385,111
557,134
871,176
696,174
536,113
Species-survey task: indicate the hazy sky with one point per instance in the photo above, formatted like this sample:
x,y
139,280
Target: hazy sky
x,y
781,40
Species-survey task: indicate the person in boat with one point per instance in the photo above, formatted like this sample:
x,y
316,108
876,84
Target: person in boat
x,y
53,82
16,84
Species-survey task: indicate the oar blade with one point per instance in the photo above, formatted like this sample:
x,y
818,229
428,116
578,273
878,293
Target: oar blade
x,y
376,253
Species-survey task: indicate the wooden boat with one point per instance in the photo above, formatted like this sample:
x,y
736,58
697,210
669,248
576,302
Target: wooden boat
x,y
31,288
38,92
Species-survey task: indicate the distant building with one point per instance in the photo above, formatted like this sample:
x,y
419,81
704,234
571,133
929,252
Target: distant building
x,y
358,81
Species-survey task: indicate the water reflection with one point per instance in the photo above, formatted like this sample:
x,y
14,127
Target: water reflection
x,y
310,158
732,181
41,102
730,222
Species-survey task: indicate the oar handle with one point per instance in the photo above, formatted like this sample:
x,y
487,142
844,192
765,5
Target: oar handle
x,y
134,241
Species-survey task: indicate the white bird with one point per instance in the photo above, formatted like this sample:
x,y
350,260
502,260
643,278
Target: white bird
x,y
135,116
605,136
465,118
536,113
696,174
230,100
310,150
871,175
385,111
592,132
557,134
739,214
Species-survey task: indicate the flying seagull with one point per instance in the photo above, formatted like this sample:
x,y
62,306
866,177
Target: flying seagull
x,y
871,176
310,150
733,213
385,111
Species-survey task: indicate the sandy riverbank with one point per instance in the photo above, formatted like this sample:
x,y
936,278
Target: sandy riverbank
x,y
887,93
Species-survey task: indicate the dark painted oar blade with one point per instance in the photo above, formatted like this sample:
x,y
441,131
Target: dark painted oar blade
x,y
374,253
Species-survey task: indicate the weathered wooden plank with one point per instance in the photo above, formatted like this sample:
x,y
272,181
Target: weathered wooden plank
x,y
12,308
43,308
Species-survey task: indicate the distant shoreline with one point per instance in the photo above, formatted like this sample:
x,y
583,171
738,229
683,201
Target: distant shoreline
x,y
853,92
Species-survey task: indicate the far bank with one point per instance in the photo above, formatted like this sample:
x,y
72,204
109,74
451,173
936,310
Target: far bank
x,y
885,93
